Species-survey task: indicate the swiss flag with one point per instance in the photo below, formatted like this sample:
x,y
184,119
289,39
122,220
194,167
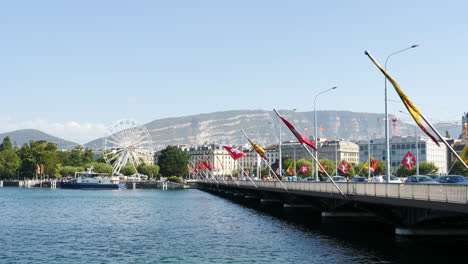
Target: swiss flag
x,y
235,153
409,160
304,169
344,167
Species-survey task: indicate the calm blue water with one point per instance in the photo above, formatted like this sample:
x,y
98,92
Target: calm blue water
x,y
186,226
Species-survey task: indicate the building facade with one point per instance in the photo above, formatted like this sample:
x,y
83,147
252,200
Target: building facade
x,y
223,163
427,151
338,150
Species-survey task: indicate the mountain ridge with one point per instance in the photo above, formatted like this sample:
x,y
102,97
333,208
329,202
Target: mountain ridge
x,y
23,136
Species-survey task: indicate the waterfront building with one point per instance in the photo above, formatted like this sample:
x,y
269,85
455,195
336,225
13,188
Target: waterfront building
x,y
464,135
337,150
294,150
400,145
216,153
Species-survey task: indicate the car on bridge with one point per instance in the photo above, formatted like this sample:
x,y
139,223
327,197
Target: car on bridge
x,y
453,179
393,179
337,179
423,179
359,179
435,177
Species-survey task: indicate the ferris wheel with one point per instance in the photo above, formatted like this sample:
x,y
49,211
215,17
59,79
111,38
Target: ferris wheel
x,y
126,141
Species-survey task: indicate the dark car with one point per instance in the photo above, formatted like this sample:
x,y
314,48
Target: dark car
x,y
359,179
420,179
310,179
453,179
435,177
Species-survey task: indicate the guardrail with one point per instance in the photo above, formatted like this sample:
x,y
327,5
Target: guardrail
x,y
424,192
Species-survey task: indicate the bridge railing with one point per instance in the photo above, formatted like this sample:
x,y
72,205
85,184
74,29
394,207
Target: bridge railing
x,y
424,192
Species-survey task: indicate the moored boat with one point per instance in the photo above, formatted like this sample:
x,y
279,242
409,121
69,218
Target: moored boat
x,y
92,180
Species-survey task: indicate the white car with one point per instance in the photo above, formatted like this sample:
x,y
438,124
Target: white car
x,y
393,179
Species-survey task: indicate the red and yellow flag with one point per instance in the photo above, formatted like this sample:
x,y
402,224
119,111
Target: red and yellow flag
x,y
290,170
374,164
258,149
412,109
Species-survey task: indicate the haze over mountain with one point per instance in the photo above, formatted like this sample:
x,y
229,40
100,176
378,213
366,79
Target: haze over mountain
x,y
25,135
263,127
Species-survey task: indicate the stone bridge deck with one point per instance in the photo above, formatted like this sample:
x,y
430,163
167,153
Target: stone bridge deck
x,y
443,197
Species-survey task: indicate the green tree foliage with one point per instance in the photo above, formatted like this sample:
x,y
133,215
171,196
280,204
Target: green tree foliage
x,y
360,169
6,144
69,171
403,171
458,169
128,170
287,163
149,170
76,157
39,153
174,179
9,164
265,172
173,161
330,168
99,167
427,168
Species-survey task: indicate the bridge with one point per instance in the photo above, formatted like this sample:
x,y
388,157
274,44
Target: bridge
x,y
413,209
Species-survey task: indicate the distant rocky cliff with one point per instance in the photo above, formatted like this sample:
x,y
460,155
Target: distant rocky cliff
x,y
262,126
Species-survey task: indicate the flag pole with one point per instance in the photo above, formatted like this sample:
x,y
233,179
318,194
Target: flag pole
x,y
444,141
326,173
242,168
269,167
212,175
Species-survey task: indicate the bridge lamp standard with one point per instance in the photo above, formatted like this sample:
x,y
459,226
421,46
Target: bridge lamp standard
x,y
315,125
387,139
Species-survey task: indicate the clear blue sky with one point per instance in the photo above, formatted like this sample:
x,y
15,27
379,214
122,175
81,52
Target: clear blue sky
x,y
72,67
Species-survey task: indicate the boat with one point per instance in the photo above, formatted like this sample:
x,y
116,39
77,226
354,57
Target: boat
x,y
91,180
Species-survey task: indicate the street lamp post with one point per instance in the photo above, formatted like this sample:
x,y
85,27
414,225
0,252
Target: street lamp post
x,y
387,139
315,125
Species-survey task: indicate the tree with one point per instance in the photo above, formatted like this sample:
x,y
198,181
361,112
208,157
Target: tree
x,y
100,167
69,171
330,168
128,170
403,171
149,170
427,168
173,161
6,144
361,170
458,169
9,163
39,153
447,134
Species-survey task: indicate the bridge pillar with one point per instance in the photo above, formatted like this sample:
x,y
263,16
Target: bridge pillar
x,y
347,214
302,213
430,231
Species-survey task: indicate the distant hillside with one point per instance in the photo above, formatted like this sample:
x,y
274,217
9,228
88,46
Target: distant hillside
x,y
262,126
25,135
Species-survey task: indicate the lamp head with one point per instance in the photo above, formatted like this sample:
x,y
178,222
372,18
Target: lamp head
x,y
414,46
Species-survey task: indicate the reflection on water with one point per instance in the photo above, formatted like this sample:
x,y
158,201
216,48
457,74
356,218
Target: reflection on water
x,y
189,226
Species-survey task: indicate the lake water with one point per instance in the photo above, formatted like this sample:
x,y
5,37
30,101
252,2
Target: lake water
x,y
188,226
